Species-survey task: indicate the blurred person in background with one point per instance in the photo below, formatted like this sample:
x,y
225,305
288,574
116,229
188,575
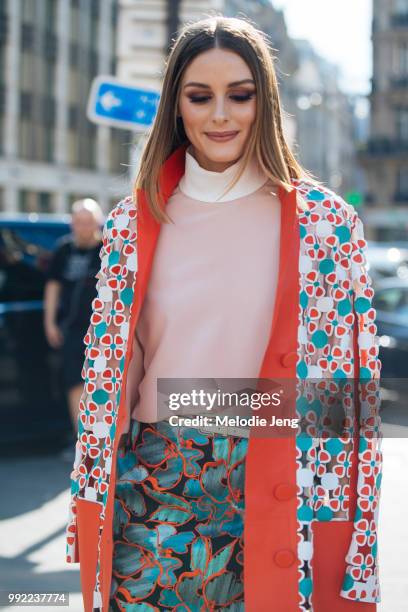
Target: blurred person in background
x,y
69,291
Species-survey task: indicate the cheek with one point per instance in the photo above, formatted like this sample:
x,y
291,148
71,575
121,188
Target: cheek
x,y
193,116
245,115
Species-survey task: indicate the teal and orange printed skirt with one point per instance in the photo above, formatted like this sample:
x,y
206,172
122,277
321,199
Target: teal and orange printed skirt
x,y
178,525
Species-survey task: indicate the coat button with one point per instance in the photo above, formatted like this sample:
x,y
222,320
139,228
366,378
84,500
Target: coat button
x,y
284,491
284,558
289,359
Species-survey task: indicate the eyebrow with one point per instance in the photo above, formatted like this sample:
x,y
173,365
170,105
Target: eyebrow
x,y
233,84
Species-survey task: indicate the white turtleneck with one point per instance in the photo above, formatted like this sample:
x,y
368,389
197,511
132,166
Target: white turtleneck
x,y
207,186
208,307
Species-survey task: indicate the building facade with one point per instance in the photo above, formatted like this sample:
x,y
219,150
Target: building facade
x,y
50,153
316,112
325,129
385,157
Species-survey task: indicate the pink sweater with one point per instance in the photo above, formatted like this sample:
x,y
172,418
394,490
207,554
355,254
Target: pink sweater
x,y
209,302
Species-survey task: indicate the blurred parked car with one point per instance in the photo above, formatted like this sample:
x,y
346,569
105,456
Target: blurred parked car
x,y
391,303
385,260
32,403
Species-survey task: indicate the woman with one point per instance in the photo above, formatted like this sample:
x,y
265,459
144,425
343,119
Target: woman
x,y
228,262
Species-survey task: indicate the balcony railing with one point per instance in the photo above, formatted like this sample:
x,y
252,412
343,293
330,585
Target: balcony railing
x,y
399,20
399,82
386,146
401,197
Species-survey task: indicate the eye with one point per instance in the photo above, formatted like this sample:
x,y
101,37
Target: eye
x,y
199,99
242,97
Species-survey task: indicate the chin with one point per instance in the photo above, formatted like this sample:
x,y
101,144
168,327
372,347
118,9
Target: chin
x,y
222,153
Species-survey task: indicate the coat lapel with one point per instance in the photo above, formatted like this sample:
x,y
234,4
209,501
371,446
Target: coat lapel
x,y
270,490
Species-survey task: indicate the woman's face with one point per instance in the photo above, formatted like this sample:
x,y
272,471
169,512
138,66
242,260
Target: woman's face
x,y
217,97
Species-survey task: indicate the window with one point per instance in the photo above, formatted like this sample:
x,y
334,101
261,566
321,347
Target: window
x,y
49,78
44,201
50,46
114,15
402,180
49,143
93,63
95,9
26,104
73,116
402,124
400,58
27,68
27,36
73,54
28,10
2,98
50,14
25,133
75,21
72,142
48,110
74,93
3,26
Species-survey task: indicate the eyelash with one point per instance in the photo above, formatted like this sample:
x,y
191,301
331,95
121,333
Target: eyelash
x,y
236,98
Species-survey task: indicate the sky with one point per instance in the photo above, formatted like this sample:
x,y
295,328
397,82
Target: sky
x,y
340,31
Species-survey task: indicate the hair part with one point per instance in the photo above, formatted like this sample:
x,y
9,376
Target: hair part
x,y
267,141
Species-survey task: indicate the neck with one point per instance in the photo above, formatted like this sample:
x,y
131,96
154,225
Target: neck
x,y
215,186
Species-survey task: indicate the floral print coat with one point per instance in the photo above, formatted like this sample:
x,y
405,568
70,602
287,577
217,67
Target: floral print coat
x,y
311,505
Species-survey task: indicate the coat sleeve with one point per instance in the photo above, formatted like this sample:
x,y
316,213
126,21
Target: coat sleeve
x,y
72,545
105,347
361,576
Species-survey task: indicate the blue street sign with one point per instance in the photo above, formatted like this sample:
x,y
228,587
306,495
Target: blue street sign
x,y
113,103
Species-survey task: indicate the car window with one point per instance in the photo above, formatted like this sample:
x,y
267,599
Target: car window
x,y
392,300
388,300
402,308
25,253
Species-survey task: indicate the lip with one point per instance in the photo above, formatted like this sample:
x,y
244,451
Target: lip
x,y
221,136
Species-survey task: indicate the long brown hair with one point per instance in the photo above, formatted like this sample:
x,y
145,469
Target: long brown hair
x,y
267,141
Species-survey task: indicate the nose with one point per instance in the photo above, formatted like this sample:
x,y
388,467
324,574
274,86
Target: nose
x,y
220,111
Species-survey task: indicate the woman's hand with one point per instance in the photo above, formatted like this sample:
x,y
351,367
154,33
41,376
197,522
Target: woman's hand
x,y
122,441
